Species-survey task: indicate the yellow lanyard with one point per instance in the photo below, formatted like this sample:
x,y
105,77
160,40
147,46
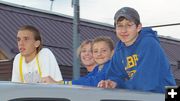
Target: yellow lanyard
x,y
20,68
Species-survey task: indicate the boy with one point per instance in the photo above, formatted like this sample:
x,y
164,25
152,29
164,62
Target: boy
x,y
33,62
139,62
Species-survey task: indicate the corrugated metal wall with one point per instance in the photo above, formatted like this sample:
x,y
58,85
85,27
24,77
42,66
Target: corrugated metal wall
x,y
5,70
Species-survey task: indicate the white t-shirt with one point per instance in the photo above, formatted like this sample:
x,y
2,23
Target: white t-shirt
x,y
47,63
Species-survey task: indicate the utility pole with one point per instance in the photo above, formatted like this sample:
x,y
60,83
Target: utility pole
x,y
52,1
76,39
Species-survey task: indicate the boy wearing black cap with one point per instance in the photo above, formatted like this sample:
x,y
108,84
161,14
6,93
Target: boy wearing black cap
x,y
139,62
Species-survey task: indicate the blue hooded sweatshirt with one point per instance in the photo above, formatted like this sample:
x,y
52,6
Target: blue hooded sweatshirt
x,y
93,78
141,66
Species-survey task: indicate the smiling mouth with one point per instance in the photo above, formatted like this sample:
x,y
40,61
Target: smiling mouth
x,y
87,58
124,36
100,58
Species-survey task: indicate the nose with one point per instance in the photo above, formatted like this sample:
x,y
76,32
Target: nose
x,y
99,53
88,53
124,29
20,42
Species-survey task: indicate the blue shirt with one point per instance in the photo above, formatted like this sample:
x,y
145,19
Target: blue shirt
x,y
142,65
93,78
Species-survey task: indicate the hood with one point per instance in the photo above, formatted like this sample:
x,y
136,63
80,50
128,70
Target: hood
x,y
147,32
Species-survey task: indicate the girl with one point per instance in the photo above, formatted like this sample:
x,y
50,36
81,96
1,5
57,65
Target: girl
x,y
85,55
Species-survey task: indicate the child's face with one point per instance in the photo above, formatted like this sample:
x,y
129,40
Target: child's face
x,y
86,55
26,42
101,52
127,31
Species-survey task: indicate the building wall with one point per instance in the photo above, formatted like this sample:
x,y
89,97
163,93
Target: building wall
x,y
2,56
5,70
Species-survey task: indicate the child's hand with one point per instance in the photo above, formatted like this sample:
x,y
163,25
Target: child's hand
x,y
107,84
48,79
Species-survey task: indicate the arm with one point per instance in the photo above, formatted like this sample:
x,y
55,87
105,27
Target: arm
x,y
91,79
49,65
15,70
94,77
116,74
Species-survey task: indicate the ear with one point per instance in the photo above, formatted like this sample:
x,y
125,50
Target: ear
x,y
139,27
114,30
112,53
37,43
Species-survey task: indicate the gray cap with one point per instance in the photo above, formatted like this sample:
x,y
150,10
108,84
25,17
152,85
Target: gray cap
x,y
129,13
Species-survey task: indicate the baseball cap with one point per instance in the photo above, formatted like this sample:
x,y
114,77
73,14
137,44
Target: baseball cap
x,y
127,12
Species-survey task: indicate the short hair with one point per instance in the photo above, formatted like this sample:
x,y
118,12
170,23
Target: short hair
x,y
105,39
122,18
35,32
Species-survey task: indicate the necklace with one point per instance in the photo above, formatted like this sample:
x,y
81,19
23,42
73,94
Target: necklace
x,y
20,68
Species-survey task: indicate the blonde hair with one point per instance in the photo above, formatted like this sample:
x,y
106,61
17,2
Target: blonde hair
x,y
105,39
85,42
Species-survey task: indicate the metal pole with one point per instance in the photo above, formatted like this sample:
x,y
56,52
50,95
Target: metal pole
x,y
76,62
51,5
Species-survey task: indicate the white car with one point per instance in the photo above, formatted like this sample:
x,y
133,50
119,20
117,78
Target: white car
x,y
10,91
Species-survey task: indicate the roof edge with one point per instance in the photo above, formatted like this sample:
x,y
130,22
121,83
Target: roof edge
x,y
168,38
53,13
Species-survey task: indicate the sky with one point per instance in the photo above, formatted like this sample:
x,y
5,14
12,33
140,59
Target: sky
x,y
152,12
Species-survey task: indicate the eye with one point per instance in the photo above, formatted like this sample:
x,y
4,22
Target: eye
x,y
83,51
18,39
95,51
119,26
26,38
129,25
104,50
